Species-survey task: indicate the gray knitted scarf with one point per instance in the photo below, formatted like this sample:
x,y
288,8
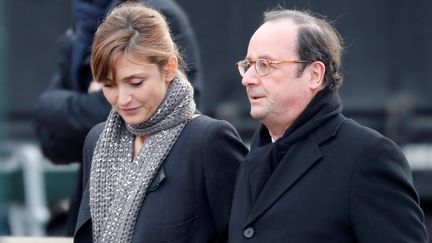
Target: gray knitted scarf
x,y
118,182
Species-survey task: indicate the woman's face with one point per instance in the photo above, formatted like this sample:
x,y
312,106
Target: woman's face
x,y
138,90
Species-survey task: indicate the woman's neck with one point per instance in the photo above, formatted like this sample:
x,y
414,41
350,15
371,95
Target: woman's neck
x,y
138,144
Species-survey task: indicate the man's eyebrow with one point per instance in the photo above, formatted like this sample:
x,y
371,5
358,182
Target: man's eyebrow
x,y
265,56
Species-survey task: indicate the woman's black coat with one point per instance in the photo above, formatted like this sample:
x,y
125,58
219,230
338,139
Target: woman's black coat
x,y
190,198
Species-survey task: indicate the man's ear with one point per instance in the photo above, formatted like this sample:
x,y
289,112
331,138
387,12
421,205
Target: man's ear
x,y
171,68
317,71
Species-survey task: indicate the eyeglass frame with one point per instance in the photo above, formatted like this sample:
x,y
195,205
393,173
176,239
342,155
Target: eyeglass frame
x,y
268,61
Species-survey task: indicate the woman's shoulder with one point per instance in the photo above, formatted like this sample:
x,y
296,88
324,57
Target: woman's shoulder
x,y
203,121
91,139
205,128
205,125
95,132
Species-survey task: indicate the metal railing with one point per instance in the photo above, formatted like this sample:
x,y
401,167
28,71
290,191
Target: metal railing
x,y
25,176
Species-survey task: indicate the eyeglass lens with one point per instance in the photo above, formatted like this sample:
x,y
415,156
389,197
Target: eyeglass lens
x,y
261,67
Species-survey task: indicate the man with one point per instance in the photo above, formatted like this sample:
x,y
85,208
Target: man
x,y
313,175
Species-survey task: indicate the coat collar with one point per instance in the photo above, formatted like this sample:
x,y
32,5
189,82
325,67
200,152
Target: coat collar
x,y
298,161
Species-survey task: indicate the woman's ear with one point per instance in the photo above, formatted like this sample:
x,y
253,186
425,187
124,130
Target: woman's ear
x,y
317,71
170,69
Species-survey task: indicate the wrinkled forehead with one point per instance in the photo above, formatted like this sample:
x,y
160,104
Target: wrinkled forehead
x,y
274,39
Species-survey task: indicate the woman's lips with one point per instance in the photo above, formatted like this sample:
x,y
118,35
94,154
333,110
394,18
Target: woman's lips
x,y
129,111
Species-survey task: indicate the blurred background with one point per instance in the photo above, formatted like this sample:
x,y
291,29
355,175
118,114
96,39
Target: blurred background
x,y
387,67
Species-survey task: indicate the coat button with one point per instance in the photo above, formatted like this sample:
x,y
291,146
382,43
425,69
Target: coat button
x,y
248,232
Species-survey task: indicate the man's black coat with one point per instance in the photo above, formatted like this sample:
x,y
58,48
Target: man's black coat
x,y
342,183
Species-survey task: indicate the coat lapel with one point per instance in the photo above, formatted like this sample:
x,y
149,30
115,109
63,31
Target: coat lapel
x,y
84,210
297,162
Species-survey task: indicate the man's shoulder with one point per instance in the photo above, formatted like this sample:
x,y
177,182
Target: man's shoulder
x,y
353,135
352,128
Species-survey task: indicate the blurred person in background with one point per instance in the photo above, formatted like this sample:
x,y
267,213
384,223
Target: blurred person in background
x,y
313,175
66,112
72,105
155,171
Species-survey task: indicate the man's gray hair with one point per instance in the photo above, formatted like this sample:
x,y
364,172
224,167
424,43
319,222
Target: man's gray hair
x,y
317,40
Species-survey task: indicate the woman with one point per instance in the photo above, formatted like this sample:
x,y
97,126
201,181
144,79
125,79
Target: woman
x,y
154,171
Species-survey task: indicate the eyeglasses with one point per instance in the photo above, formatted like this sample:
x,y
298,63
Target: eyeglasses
x,y
262,66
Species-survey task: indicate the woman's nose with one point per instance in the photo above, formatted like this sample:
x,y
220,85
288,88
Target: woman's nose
x,y
124,96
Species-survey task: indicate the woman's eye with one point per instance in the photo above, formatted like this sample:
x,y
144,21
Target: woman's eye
x,y
137,83
107,84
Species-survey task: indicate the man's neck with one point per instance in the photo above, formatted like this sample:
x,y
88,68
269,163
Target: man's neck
x,y
276,131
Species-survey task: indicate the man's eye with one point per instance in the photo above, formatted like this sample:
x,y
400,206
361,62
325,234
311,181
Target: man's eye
x,y
247,65
262,65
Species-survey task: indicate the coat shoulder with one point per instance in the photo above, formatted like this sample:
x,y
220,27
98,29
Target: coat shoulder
x,y
90,144
208,134
93,136
210,125
356,142
359,134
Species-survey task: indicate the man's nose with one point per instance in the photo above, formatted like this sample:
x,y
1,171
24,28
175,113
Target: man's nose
x,y
250,77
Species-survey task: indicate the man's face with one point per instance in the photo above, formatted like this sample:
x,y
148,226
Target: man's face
x,y
279,97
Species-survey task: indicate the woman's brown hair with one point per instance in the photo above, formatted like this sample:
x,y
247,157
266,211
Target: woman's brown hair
x,y
133,29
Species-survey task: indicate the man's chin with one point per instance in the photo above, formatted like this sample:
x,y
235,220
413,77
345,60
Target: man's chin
x,y
255,114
